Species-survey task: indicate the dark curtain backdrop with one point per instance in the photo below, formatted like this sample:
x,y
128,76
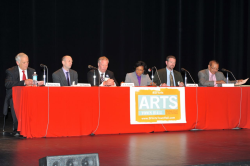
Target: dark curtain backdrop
x,y
125,31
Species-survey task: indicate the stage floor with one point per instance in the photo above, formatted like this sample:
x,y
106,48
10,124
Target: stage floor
x,y
220,147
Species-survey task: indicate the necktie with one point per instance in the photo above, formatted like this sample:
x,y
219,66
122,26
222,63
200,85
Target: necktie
x,y
24,76
102,79
171,79
67,74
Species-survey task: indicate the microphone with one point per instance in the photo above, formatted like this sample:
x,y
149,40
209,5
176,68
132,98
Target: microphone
x,y
151,69
225,70
182,69
42,65
186,71
44,75
91,67
94,76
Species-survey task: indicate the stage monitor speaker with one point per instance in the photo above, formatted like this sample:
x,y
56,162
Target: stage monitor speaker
x,y
71,160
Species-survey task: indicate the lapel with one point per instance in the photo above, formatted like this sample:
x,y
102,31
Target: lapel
x,y
135,80
207,74
29,72
106,73
175,78
16,71
71,76
164,76
217,76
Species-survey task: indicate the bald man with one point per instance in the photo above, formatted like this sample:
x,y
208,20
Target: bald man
x,y
65,76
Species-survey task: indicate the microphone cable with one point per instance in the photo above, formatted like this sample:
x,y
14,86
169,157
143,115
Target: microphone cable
x,y
48,115
99,104
240,108
240,100
240,105
197,106
240,95
157,74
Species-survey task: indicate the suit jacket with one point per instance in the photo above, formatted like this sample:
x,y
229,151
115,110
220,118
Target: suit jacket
x,y
59,77
163,76
13,79
132,78
203,76
91,74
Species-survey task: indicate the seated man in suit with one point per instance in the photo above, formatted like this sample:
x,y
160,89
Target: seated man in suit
x,y
65,76
139,77
211,76
103,76
169,76
19,75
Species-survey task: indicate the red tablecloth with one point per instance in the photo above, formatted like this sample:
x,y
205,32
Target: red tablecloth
x,y
74,111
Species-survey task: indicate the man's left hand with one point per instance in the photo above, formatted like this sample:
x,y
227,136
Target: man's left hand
x,y
40,83
181,84
109,82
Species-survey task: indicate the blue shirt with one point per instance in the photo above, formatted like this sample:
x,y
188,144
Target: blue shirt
x,y
168,77
66,73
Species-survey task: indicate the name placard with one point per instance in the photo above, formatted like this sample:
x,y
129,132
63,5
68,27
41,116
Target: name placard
x,y
52,84
191,85
84,84
127,84
228,85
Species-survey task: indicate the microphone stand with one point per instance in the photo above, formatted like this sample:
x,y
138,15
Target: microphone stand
x,y
227,77
94,78
44,75
185,78
152,76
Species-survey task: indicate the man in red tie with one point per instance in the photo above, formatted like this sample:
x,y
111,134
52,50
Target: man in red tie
x,y
19,75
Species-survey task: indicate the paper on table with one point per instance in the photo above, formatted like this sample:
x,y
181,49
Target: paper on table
x,y
242,82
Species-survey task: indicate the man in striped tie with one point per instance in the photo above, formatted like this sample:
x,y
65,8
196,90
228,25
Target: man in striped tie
x,y
105,77
168,76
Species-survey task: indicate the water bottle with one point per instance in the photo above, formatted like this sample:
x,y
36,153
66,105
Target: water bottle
x,y
34,76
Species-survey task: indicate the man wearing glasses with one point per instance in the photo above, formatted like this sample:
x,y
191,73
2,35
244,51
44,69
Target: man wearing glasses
x,y
211,76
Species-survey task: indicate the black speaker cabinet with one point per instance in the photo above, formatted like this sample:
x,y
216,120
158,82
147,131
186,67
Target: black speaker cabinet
x,y
71,160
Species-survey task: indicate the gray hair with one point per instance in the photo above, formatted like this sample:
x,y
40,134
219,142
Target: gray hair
x,y
103,58
19,56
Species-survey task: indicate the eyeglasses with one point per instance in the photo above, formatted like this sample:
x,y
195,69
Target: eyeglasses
x,y
139,70
214,68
